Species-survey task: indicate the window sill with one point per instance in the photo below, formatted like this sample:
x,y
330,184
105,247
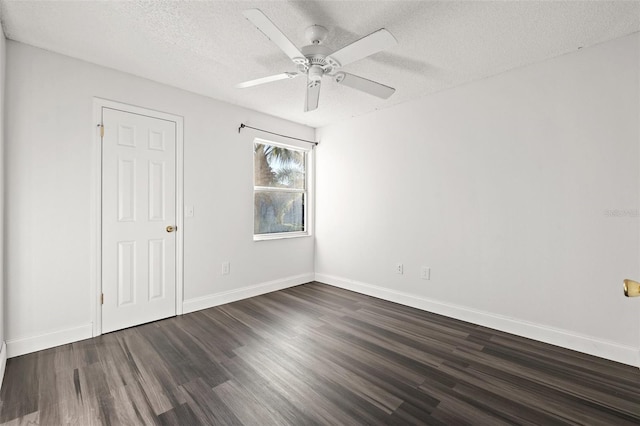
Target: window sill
x,y
280,236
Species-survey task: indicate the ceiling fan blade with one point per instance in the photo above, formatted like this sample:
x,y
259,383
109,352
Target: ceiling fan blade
x,y
367,45
313,95
364,85
273,33
263,80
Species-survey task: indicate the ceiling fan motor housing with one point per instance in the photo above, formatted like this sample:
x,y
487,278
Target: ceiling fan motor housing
x,y
316,59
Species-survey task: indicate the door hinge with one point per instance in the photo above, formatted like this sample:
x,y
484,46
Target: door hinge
x,y
102,299
101,130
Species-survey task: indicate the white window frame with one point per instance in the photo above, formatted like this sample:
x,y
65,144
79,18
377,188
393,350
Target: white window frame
x,y
307,192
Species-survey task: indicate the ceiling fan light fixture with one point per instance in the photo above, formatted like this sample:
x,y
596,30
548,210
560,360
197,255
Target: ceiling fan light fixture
x,y
316,72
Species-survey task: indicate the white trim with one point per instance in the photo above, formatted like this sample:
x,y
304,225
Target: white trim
x,y
637,305
48,340
225,297
276,189
96,196
3,361
96,221
61,337
555,336
264,141
179,214
279,236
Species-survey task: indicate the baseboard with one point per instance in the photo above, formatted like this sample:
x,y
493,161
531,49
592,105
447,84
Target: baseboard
x,y
3,361
17,347
558,337
234,295
27,345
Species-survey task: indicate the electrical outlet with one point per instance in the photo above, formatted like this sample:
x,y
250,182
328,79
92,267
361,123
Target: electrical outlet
x,y
226,268
399,268
425,273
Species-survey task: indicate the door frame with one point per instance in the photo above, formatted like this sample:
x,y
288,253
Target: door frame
x,y
96,214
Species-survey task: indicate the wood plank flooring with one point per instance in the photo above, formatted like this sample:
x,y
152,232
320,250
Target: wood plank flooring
x,y
315,355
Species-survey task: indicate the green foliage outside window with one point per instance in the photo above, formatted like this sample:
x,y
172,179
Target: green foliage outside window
x,y
279,189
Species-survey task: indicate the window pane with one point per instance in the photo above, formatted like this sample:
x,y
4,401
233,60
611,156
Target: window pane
x,y
278,167
278,212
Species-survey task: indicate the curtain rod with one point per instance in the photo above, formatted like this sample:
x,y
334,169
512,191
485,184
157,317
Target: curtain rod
x,y
242,126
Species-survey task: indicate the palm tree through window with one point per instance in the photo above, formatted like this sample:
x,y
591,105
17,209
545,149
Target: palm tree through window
x,y
280,189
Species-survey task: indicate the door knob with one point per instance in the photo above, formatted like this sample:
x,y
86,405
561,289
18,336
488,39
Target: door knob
x,y
171,228
631,288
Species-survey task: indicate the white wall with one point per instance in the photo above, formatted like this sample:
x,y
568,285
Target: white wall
x,y
500,186
3,352
49,158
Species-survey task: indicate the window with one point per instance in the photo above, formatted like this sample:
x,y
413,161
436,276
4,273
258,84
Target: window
x,y
280,191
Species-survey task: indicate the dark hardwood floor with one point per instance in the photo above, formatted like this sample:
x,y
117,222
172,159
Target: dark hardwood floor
x,y
315,354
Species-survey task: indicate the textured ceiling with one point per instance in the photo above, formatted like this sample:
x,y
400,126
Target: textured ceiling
x,y
208,46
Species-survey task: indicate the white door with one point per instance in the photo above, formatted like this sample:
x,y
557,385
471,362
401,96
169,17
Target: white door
x,y
138,211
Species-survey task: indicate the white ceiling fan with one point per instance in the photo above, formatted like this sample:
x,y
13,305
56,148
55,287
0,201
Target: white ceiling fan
x,y
316,61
